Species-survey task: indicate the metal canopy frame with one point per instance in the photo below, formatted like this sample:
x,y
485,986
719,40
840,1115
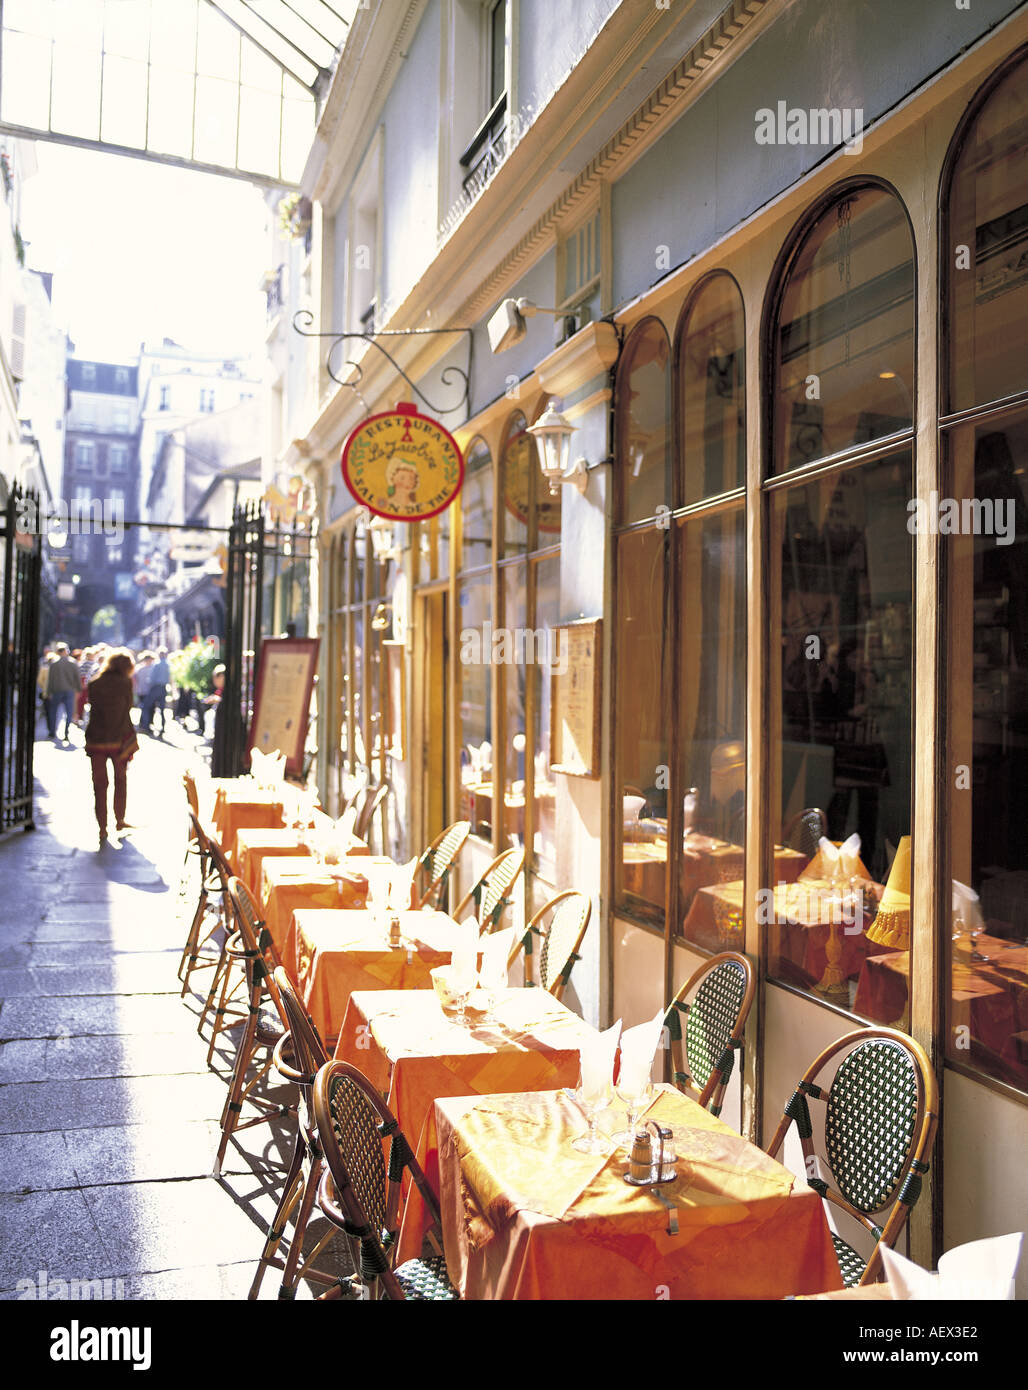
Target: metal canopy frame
x,y
194,87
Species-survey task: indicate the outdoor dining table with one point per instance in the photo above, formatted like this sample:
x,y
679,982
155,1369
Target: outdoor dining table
x,y
333,953
414,1053
704,861
293,882
524,1216
253,846
240,803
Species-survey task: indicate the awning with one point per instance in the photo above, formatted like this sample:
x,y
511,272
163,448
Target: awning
x,y
228,86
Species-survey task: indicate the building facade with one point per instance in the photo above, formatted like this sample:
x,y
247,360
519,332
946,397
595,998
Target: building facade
x,y
785,303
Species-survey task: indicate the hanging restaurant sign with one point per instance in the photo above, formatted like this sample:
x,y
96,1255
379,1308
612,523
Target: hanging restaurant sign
x,y
402,465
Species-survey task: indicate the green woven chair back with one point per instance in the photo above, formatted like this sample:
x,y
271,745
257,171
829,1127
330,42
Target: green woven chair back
x,y
869,1122
560,938
711,1018
356,1132
437,860
497,886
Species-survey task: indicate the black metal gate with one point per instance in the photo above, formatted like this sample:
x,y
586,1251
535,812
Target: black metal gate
x,y
21,554
260,557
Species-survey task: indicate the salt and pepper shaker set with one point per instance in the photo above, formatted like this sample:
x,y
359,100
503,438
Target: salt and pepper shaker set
x,y
653,1159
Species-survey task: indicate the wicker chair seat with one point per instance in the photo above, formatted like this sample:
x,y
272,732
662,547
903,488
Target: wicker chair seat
x,y
851,1264
426,1280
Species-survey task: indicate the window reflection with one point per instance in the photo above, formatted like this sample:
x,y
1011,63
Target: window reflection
x,y
475,713
712,376
644,419
844,342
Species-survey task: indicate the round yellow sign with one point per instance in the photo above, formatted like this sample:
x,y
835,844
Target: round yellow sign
x,y
403,465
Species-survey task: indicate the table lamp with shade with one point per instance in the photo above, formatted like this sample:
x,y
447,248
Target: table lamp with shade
x,y
891,926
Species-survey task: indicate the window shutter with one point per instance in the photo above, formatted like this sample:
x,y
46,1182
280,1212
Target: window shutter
x,y
18,343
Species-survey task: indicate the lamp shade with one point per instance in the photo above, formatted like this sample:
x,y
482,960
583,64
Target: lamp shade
x,y
552,433
891,926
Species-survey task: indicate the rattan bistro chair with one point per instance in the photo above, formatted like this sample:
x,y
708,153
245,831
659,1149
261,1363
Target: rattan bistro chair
x,y
714,1004
194,957
360,1193
490,896
560,940
881,1109
435,864
222,1007
299,1056
368,802
264,1021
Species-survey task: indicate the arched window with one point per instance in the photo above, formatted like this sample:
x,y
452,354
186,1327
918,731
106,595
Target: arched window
x,y
475,613
477,507
984,249
843,338
643,415
712,386
840,557
983,525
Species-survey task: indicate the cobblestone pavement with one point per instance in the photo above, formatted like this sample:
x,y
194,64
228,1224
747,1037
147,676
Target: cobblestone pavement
x,y
108,1111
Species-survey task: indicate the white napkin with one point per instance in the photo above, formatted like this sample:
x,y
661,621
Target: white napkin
x,y
400,884
843,862
345,825
492,974
597,1054
967,911
464,953
638,1048
269,769
983,1269
631,807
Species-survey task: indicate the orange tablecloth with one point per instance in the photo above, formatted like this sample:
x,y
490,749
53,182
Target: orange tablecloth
x,y
799,935
989,998
526,1217
334,953
288,884
704,861
242,804
254,846
413,1053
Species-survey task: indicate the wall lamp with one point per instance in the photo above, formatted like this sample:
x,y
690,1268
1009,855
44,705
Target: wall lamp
x,y
507,325
552,432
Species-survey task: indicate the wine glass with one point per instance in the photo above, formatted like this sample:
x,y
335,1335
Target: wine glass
x,y
634,1089
462,983
593,1096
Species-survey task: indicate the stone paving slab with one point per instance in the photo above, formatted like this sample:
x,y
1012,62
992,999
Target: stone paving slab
x,y
50,1230
43,1106
86,1014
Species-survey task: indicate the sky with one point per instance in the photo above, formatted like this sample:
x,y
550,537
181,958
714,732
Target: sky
x,y
141,250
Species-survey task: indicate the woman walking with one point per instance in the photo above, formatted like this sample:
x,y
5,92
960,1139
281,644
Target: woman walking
x,y
110,734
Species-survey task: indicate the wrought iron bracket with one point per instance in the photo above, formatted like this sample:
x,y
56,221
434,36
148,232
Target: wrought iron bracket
x,y
306,317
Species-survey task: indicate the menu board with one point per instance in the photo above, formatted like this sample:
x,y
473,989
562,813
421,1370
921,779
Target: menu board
x,y
575,700
281,706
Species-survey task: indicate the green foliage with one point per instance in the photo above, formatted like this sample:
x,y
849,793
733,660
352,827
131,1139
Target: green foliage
x,y
106,625
193,667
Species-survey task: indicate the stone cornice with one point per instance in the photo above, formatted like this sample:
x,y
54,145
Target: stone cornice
x,y
590,353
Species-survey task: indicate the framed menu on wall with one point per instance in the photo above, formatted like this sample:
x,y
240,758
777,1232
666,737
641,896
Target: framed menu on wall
x,y
575,692
282,701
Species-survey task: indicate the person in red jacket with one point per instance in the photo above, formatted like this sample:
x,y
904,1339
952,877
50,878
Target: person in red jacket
x,y
110,734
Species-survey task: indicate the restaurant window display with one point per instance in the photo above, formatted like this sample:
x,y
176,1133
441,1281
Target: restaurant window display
x,y
983,524
841,636
529,589
474,614
642,558
359,584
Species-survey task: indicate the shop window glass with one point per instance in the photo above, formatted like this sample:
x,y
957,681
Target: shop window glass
x,y
517,464
710,720
711,370
517,671
476,500
544,821
987,711
644,423
986,254
639,729
844,334
475,714
841,671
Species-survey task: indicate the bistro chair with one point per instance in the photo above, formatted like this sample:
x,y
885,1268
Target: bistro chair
x,y
805,829
435,864
219,1007
264,1021
193,956
881,1110
368,802
299,1056
560,941
490,896
360,1192
714,1003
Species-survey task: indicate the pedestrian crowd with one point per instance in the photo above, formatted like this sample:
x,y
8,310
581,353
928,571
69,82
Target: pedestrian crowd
x,y
96,688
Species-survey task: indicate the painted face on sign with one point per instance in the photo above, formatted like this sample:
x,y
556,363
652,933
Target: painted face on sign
x,y
402,480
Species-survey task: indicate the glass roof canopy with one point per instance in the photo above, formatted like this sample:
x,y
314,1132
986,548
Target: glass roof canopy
x,y
228,86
